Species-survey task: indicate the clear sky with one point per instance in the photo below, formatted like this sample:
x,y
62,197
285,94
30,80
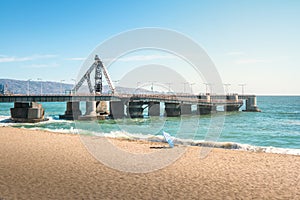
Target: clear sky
x,y
256,42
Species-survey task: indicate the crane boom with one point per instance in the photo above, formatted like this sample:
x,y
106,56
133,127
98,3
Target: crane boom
x,y
108,79
99,67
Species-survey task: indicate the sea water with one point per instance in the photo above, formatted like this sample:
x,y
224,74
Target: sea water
x,y
275,129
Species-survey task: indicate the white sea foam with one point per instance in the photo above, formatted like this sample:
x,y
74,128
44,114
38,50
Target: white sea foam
x,y
5,121
190,142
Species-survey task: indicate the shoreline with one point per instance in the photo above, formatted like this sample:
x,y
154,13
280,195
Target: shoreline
x,y
178,141
39,164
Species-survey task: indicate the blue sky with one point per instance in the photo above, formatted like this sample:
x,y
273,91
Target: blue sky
x,y
253,42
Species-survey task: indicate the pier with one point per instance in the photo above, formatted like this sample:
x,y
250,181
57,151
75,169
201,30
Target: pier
x,y
27,107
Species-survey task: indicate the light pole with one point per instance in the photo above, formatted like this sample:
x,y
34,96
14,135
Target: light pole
x,y
206,87
61,86
28,92
243,86
191,85
211,88
152,85
169,84
227,87
184,86
39,79
73,91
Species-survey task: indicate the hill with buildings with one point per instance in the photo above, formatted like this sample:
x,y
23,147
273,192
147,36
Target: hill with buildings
x,y
12,86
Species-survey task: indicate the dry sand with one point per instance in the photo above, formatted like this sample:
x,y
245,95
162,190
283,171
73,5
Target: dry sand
x,y
44,165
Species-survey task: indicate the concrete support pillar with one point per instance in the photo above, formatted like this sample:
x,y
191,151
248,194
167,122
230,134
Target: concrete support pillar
x,y
154,109
172,109
231,108
251,105
116,109
72,112
232,103
186,109
206,109
135,109
90,108
27,112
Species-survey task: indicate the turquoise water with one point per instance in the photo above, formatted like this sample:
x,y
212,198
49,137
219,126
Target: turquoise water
x,y
278,125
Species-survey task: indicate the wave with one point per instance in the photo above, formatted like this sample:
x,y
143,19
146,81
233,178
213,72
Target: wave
x,y
200,143
5,121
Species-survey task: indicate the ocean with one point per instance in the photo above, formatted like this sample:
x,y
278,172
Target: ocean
x,y
276,129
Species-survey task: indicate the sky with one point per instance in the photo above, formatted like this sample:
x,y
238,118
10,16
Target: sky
x,y
252,42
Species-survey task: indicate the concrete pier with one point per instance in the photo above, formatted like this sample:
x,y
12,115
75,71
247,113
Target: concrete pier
x,y
154,108
72,112
186,109
251,105
116,109
27,112
90,108
172,109
135,109
135,105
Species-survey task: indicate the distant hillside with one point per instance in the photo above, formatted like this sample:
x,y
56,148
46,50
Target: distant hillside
x,y
21,87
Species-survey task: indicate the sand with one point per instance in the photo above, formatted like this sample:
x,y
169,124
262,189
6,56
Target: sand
x,y
44,165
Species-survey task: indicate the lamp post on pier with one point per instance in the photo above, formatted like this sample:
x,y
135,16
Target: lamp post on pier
x,y
184,86
206,87
243,87
61,86
191,85
73,90
152,82
227,87
28,87
39,79
169,86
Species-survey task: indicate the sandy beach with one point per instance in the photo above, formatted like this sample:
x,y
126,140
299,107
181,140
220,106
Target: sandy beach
x,y
44,165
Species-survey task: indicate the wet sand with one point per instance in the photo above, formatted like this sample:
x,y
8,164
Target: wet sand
x,y
45,165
